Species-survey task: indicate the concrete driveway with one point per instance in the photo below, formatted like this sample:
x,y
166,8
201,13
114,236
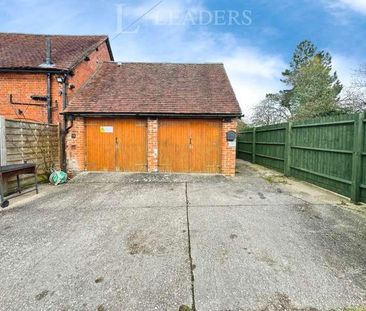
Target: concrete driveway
x,y
157,242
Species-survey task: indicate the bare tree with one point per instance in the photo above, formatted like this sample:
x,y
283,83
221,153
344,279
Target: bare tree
x,y
241,125
354,97
270,111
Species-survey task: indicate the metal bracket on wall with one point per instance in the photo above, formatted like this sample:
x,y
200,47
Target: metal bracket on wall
x,y
24,104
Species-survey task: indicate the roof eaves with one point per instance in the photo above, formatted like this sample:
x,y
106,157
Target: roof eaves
x,y
89,51
156,114
32,70
109,49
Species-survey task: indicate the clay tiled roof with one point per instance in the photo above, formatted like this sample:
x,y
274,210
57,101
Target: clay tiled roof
x,y
26,51
153,88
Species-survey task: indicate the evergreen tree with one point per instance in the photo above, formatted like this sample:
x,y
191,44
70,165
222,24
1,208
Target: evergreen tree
x,y
313,88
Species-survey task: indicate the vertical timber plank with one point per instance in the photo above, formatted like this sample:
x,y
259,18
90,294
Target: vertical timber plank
x,y
2,141
254,147
357,157
287,168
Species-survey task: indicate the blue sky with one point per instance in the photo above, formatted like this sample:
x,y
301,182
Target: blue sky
x,y
254,48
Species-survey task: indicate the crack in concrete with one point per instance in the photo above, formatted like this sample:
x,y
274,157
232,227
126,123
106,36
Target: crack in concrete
x,y
190,248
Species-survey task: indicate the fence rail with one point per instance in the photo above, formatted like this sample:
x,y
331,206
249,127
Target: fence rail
x,y
329,152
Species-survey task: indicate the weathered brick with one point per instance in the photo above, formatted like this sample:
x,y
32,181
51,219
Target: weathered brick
x,y
152,138
75,147
228,153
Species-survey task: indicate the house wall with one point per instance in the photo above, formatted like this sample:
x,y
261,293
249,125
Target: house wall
x,y
76,150
23,85
86,68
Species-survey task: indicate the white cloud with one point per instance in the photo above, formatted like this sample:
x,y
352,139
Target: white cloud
x,y
358,6
253,74
23,17
345,68
250,91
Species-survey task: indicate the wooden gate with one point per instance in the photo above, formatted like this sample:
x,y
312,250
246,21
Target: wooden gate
x,y
190,146
116,145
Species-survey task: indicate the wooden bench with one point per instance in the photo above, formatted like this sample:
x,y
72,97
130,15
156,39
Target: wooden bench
x,y
8,171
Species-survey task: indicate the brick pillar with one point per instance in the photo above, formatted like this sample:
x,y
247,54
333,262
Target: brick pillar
x,y
75,147
152,144
228,156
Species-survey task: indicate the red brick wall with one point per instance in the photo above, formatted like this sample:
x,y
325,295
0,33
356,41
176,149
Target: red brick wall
x,y
228,155
86,68
23,85
152,145
75,146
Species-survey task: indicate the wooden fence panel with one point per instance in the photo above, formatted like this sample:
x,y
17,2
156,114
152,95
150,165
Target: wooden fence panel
x,y
329,152
321,152
245,145
270,146
33,143
363,164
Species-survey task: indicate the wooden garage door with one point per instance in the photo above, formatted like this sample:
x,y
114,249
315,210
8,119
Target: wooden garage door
x,y
190,146
116,145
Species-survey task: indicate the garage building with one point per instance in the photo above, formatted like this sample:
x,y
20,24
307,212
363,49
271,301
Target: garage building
x,y
154,117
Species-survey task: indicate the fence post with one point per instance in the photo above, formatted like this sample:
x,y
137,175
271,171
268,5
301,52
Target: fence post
x,y
287,155
358,138
254,142
2,141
